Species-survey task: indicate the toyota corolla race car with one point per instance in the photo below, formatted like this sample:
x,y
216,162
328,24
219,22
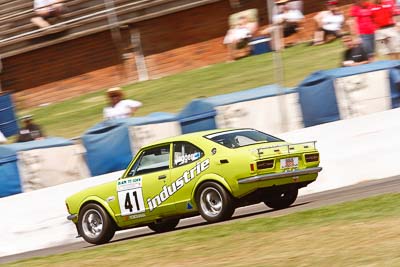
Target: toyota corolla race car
x,y
208,173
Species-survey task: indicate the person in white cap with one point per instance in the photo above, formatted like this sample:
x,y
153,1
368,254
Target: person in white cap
x,y
119,108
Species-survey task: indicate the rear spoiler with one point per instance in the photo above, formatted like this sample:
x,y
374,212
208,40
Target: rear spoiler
x,y
285,148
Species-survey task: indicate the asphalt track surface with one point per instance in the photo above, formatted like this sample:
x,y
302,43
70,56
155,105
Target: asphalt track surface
x,y
354,192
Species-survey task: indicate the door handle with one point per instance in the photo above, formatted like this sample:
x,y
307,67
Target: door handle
x,y
162,177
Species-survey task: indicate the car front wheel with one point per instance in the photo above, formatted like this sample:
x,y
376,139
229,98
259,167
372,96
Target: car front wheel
x,y
214,202
95,225
282,199
164,226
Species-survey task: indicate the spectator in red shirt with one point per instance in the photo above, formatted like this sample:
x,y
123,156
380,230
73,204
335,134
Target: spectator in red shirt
x,y
362,25
386,36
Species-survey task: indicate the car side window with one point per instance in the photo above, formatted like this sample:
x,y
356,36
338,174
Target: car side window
x,y
151,160
185,153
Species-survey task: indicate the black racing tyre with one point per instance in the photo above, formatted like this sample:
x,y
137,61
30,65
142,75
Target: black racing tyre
x,y
282,199
214,202
95,225
164,226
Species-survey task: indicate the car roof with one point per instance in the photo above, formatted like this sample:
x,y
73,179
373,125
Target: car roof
x,y
187,137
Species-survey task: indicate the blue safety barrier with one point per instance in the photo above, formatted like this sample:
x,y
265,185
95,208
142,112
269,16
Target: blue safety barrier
x,y
10,183
318,100
108,144
317,97
8,120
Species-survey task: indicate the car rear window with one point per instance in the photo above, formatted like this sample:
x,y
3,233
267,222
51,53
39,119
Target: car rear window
x,y
240,138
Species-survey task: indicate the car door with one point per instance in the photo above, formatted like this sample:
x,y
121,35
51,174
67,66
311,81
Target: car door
x,y
186,169
144,193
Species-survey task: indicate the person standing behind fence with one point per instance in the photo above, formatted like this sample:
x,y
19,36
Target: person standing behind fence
x,y
119,108
30,131
354,54
362,25
46,9
386,36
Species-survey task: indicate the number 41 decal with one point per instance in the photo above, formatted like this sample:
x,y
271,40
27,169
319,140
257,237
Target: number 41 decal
x,y
131,201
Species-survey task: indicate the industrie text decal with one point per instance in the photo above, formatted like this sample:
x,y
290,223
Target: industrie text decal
x,y
186,177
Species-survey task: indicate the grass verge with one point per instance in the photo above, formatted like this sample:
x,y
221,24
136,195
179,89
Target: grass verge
x,y
170,94
359,233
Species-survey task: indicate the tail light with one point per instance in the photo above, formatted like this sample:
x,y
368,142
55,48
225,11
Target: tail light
x,y
312,157
265,164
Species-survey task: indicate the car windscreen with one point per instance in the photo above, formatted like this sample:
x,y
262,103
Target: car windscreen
x,y
239,138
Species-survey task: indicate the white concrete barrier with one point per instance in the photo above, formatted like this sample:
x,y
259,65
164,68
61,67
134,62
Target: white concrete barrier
x,y
352,151
46,167
37,219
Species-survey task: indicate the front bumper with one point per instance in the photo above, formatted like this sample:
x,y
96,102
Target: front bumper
x,y
272,176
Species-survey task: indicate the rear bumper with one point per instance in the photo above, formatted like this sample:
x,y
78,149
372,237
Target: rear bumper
x,y
72,217
272,176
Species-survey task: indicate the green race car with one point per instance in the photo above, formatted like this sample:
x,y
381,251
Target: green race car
x,y
208,173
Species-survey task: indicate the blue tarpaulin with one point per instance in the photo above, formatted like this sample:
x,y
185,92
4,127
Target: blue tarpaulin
x,y
8,120
10,183
394,79
108,144
318,100
107,147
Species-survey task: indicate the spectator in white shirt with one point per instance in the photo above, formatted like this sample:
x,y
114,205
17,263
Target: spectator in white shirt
x,y
46,9
3,139
119,108
329,22
239,36
287,16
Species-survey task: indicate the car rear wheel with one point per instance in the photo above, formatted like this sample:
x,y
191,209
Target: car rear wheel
x,y
214,202
282,199
164,226
95,225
